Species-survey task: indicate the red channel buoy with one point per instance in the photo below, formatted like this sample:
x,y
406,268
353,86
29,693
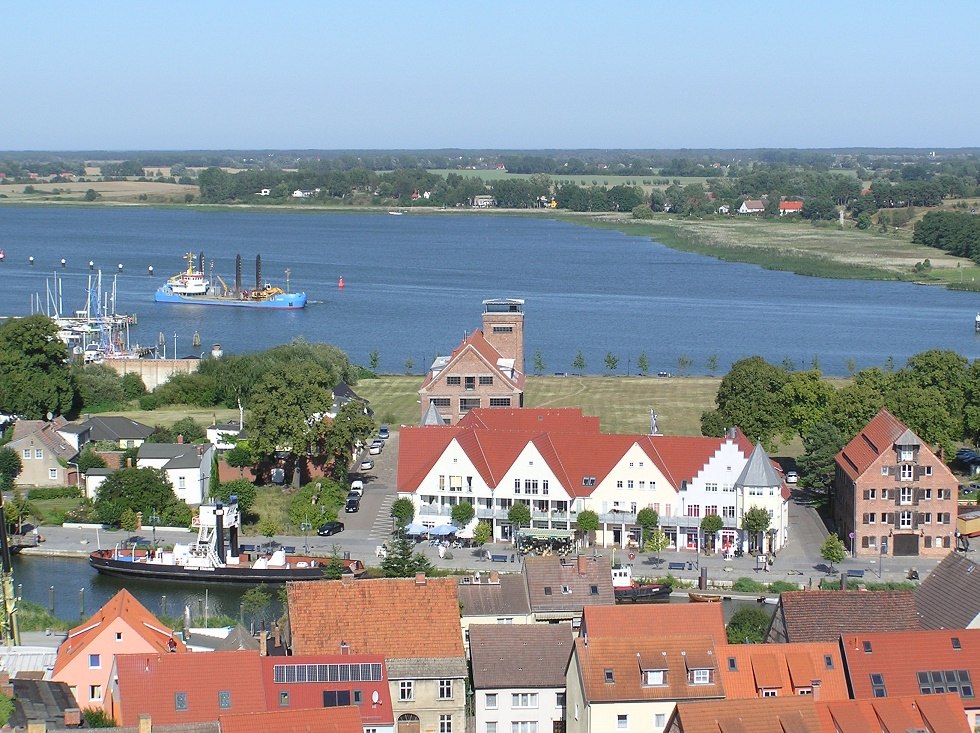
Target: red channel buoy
x,y
340,282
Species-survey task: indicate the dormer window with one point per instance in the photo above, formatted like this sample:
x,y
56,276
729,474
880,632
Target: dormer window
x,y
906,453
608,675
565,590
653,677
699,676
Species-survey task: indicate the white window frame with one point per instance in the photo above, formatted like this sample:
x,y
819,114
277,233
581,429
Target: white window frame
x,y
701,676
406,690
905,520
524,699
622,721
53,474
491,701
445,723
38,454
445,689
26,454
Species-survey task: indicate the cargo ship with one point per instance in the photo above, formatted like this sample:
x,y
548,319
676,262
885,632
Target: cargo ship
x,y
193,287
215,557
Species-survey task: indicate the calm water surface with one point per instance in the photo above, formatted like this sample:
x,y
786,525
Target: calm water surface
x,y
414,286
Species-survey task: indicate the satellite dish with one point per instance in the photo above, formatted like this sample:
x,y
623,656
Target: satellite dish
x,y
375,697
50,416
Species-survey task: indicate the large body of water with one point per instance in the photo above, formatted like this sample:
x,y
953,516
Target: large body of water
x,y
414,286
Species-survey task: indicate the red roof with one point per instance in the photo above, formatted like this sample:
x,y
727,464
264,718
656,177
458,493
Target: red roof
x,y
123,606
477,343
151,683
666,619
531,419
874,439
345,719
791,206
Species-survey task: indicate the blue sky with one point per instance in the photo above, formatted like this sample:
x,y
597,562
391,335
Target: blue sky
x,y
246,75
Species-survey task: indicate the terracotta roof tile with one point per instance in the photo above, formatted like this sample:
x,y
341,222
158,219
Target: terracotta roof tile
x,y
477,343
519,655
899,656
762,715
656,619
149,683
531,419
123,606
507,595
345,719
874,438
371,616
823,615
786,668
894,715
610,668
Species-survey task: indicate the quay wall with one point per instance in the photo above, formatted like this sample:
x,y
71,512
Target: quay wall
x,y
153,372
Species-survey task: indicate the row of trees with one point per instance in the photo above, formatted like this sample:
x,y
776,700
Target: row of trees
x,y
956,233
937,394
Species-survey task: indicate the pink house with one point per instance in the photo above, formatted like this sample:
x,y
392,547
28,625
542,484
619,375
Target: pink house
x,y
121,626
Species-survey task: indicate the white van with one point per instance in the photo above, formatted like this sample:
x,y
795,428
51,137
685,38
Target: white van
x,y
356,489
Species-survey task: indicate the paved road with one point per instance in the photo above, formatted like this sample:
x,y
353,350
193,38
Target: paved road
x,y
365,530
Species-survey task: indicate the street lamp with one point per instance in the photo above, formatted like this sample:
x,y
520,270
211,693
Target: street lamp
x,y
305,529
154,520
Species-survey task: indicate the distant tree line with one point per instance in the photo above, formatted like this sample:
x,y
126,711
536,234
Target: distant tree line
x,y
956,233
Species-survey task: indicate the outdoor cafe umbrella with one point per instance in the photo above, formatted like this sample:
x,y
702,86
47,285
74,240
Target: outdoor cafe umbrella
x,y
442,530
415,528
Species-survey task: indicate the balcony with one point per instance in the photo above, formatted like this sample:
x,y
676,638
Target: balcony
x,y
431,510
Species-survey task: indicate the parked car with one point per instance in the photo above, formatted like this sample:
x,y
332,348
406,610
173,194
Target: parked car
x,y
356,489
367,464
330,528
383,432
663,374
376,447
792,477
353,505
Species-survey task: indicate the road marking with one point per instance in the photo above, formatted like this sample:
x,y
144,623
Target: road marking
x,y
381,528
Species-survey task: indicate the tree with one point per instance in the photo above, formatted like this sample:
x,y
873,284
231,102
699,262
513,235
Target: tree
x,y
317,502
806,397
578,363
401,561
648,519
16,509
350,427
748,626
756,521
749,397
519,515
657,542
334,568
10,467
403,510
711,524
288,410
482,534
588,522
244,490
91,194
140,490
268,528
684,363
817,464
240,456
409,365
712,363
538,363
256,601
190,430
612,361
462,513
374,358
833,550
89,459
643,363
35,376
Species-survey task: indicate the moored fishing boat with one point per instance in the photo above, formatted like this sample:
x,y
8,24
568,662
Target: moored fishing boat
x,y
193,287
700,598
626,588
211,560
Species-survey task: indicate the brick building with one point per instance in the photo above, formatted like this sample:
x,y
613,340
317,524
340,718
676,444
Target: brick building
x,y
486,370
892,495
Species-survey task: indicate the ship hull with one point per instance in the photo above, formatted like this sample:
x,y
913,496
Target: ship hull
x,y
643,593
105,564
283,301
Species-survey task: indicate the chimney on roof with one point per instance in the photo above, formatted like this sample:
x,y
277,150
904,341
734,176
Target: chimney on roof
x,y
73,718
494,577
815,686
347,579
36,726
344,649
146,723
263,642
583,564
180,439
420,579
276,636
730,433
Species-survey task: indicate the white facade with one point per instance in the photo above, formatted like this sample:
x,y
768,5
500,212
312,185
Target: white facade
x,y
191,482
519,709
634,483
453,479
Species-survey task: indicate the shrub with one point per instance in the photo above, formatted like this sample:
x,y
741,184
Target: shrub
x,y
54,492
97,718
747,585
783,586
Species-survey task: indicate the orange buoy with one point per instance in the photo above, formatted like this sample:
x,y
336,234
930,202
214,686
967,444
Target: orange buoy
x,y
340,282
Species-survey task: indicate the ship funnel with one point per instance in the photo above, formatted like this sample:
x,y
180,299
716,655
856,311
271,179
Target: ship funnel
x,y
200,262
258,272
238,275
